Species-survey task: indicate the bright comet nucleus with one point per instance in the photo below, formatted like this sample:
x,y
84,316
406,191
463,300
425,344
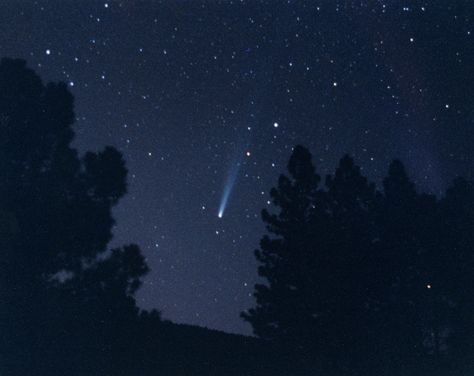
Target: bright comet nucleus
x,y
229,185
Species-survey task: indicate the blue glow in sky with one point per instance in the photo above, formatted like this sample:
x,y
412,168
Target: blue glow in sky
x,y
229,185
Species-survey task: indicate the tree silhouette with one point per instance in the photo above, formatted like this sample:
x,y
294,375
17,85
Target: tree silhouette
x,y
363,282
455,270
283,313
401,219
65,301
353,292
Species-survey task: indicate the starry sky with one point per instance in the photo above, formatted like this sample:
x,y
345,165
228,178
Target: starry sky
x,y
209,97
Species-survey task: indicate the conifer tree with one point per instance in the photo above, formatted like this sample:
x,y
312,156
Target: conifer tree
x,y
284,313
59,289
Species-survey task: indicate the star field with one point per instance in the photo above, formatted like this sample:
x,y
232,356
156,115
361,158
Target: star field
x,y
186,88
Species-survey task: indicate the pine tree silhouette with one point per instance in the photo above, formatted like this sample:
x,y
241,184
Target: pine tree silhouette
x,y
455,271
64,310
283,313
361,282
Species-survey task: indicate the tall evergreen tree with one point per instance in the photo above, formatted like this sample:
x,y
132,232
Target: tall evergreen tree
x,y
317,266
283,312
402,336
409,238
455,271
55,218
353,286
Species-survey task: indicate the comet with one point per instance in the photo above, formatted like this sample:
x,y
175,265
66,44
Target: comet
x,y
229,185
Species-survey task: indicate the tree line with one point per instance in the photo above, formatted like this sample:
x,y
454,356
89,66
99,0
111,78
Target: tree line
x,y
367,281
357,280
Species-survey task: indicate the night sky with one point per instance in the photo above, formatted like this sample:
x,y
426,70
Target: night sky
x,y
206,99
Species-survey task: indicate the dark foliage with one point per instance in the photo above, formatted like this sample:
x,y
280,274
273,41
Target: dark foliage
x,y
367,282
66,305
